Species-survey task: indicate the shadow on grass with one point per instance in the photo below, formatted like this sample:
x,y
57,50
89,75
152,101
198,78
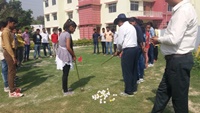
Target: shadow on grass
x,y
152,99
82,82
32,78
29,64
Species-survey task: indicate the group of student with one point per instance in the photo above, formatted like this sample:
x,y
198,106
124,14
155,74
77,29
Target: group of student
x,y
134,41
15,49
42,39
107,36
148,52
177,45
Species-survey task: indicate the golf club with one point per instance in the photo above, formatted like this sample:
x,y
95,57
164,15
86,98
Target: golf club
x,y
82,89
108,60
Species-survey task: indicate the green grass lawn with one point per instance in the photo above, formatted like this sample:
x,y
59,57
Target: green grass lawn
x,y
41,84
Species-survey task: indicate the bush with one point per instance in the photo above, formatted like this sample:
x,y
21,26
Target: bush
x,y
31,45
82,42
197,63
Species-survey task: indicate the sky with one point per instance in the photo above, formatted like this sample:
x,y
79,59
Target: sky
x,y
35,5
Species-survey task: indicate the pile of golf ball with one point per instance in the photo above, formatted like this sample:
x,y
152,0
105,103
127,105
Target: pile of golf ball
x,y
103,95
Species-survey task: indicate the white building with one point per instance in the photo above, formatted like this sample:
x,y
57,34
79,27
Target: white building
x,y
90,14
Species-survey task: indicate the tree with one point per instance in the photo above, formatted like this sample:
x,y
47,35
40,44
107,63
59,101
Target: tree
x,y
14,9
39,20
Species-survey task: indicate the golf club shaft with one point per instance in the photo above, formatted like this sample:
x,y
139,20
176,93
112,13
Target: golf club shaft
x,y
82,89
108,60
77,71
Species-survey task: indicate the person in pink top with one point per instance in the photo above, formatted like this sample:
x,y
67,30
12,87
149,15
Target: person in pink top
x,y
109,39
26,37
147,46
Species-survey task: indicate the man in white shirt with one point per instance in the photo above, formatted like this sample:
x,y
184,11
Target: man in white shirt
x,y
103,41
127,44
115,39
177,44
45,42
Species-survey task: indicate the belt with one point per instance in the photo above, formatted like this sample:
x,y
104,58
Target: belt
x,y
177,55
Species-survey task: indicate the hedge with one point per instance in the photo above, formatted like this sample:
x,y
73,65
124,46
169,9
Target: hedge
x,y
80,42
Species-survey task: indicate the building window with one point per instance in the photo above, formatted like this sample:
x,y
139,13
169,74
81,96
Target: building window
x,y
69,1
70,15
53,2
112,8
47,18
134,5
54,16
46,3
169,8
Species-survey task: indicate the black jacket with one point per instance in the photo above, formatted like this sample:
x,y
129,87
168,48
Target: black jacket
x,y
37,38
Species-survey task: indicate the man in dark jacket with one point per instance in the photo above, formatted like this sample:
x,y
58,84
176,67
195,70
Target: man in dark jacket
x,y
95,37
141,44
37,41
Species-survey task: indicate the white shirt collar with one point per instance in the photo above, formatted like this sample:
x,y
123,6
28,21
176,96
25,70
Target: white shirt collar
x,y
177,6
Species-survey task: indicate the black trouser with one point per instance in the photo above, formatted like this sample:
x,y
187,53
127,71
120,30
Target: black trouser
x,y
155,52
115,48
151,53
103,44
46,45
175,84
66,69
20,55
129,62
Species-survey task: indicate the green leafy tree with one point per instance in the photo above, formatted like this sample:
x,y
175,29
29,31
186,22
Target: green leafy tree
x,y
39,20
14,9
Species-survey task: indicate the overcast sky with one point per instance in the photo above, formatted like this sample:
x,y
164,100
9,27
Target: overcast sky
x,y
35,5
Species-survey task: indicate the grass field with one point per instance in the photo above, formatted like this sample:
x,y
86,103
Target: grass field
x,y
41,84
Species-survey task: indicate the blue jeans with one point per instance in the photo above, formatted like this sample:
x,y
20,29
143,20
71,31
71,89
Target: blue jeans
x,y
46,45
37,50
96,46
109,45
151,54
141,65
4,72
26,52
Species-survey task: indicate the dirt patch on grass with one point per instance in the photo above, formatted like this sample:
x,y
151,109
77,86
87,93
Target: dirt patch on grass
x,y
192,92
43,63
194,107
39,64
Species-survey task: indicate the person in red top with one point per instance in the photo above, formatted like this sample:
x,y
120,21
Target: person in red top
x,y
54,40
147,46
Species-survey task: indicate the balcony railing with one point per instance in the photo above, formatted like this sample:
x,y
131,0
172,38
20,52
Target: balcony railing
x,y
145,14
88,2
149,0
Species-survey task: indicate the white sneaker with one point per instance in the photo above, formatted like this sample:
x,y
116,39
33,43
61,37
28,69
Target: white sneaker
x,y
69,93
141,80
125,94
150,65
138,81
6,89
15,94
